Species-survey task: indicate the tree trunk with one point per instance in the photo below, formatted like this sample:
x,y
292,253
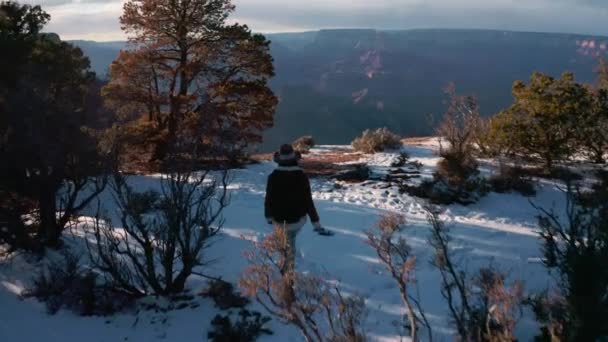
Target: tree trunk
x,y
548,164
49,230
411,315
179,283
599,157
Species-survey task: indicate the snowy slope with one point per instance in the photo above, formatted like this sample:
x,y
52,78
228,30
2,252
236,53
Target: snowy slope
x,y
500,230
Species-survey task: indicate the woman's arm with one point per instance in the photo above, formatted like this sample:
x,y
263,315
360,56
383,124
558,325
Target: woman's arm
x,y
310,205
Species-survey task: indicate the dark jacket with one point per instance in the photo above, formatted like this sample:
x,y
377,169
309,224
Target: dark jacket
x,y
288,196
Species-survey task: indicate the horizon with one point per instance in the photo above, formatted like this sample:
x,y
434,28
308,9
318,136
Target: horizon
x,y
98,20
372,29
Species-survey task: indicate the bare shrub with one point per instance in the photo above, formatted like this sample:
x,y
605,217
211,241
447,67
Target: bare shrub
x,y
317,308
483,139
65,283
461,122
459,128
163,235
512,178
488,314
378,140
303,144
396,255
456,177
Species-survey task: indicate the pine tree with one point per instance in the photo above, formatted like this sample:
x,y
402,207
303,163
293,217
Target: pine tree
x,y
593,127
602,74
191,85
542,120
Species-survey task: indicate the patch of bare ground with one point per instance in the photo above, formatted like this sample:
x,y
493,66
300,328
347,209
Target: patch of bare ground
x,y
140,162
323,163
329,163
416,140
260,157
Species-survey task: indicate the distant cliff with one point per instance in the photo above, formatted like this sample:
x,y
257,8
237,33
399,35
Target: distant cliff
x,y
335,83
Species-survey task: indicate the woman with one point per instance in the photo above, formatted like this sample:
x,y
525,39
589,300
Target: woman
x,y
288,197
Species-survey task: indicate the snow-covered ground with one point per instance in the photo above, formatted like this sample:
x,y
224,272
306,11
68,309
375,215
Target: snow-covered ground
x,y
499,230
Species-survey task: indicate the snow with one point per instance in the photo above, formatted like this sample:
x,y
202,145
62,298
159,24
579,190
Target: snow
x,y
499,230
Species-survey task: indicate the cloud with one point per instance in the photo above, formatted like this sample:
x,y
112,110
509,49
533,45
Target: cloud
x,y
86,20
98,19
576,16
52,3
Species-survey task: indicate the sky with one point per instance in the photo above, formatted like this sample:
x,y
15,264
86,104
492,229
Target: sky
x,y
98,19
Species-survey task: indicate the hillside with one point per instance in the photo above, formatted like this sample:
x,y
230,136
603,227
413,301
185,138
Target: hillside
x,y
335,83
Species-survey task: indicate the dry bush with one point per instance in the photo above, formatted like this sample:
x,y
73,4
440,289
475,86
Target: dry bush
x,y
456,179
512,178
482,307
498,304
456,167
317,308
452,183
65,283
303,144
551,311
223,295
396,255
247,328
378,140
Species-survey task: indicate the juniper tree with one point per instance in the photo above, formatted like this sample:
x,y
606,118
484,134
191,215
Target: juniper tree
x,y
575,247
47,154
541,121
